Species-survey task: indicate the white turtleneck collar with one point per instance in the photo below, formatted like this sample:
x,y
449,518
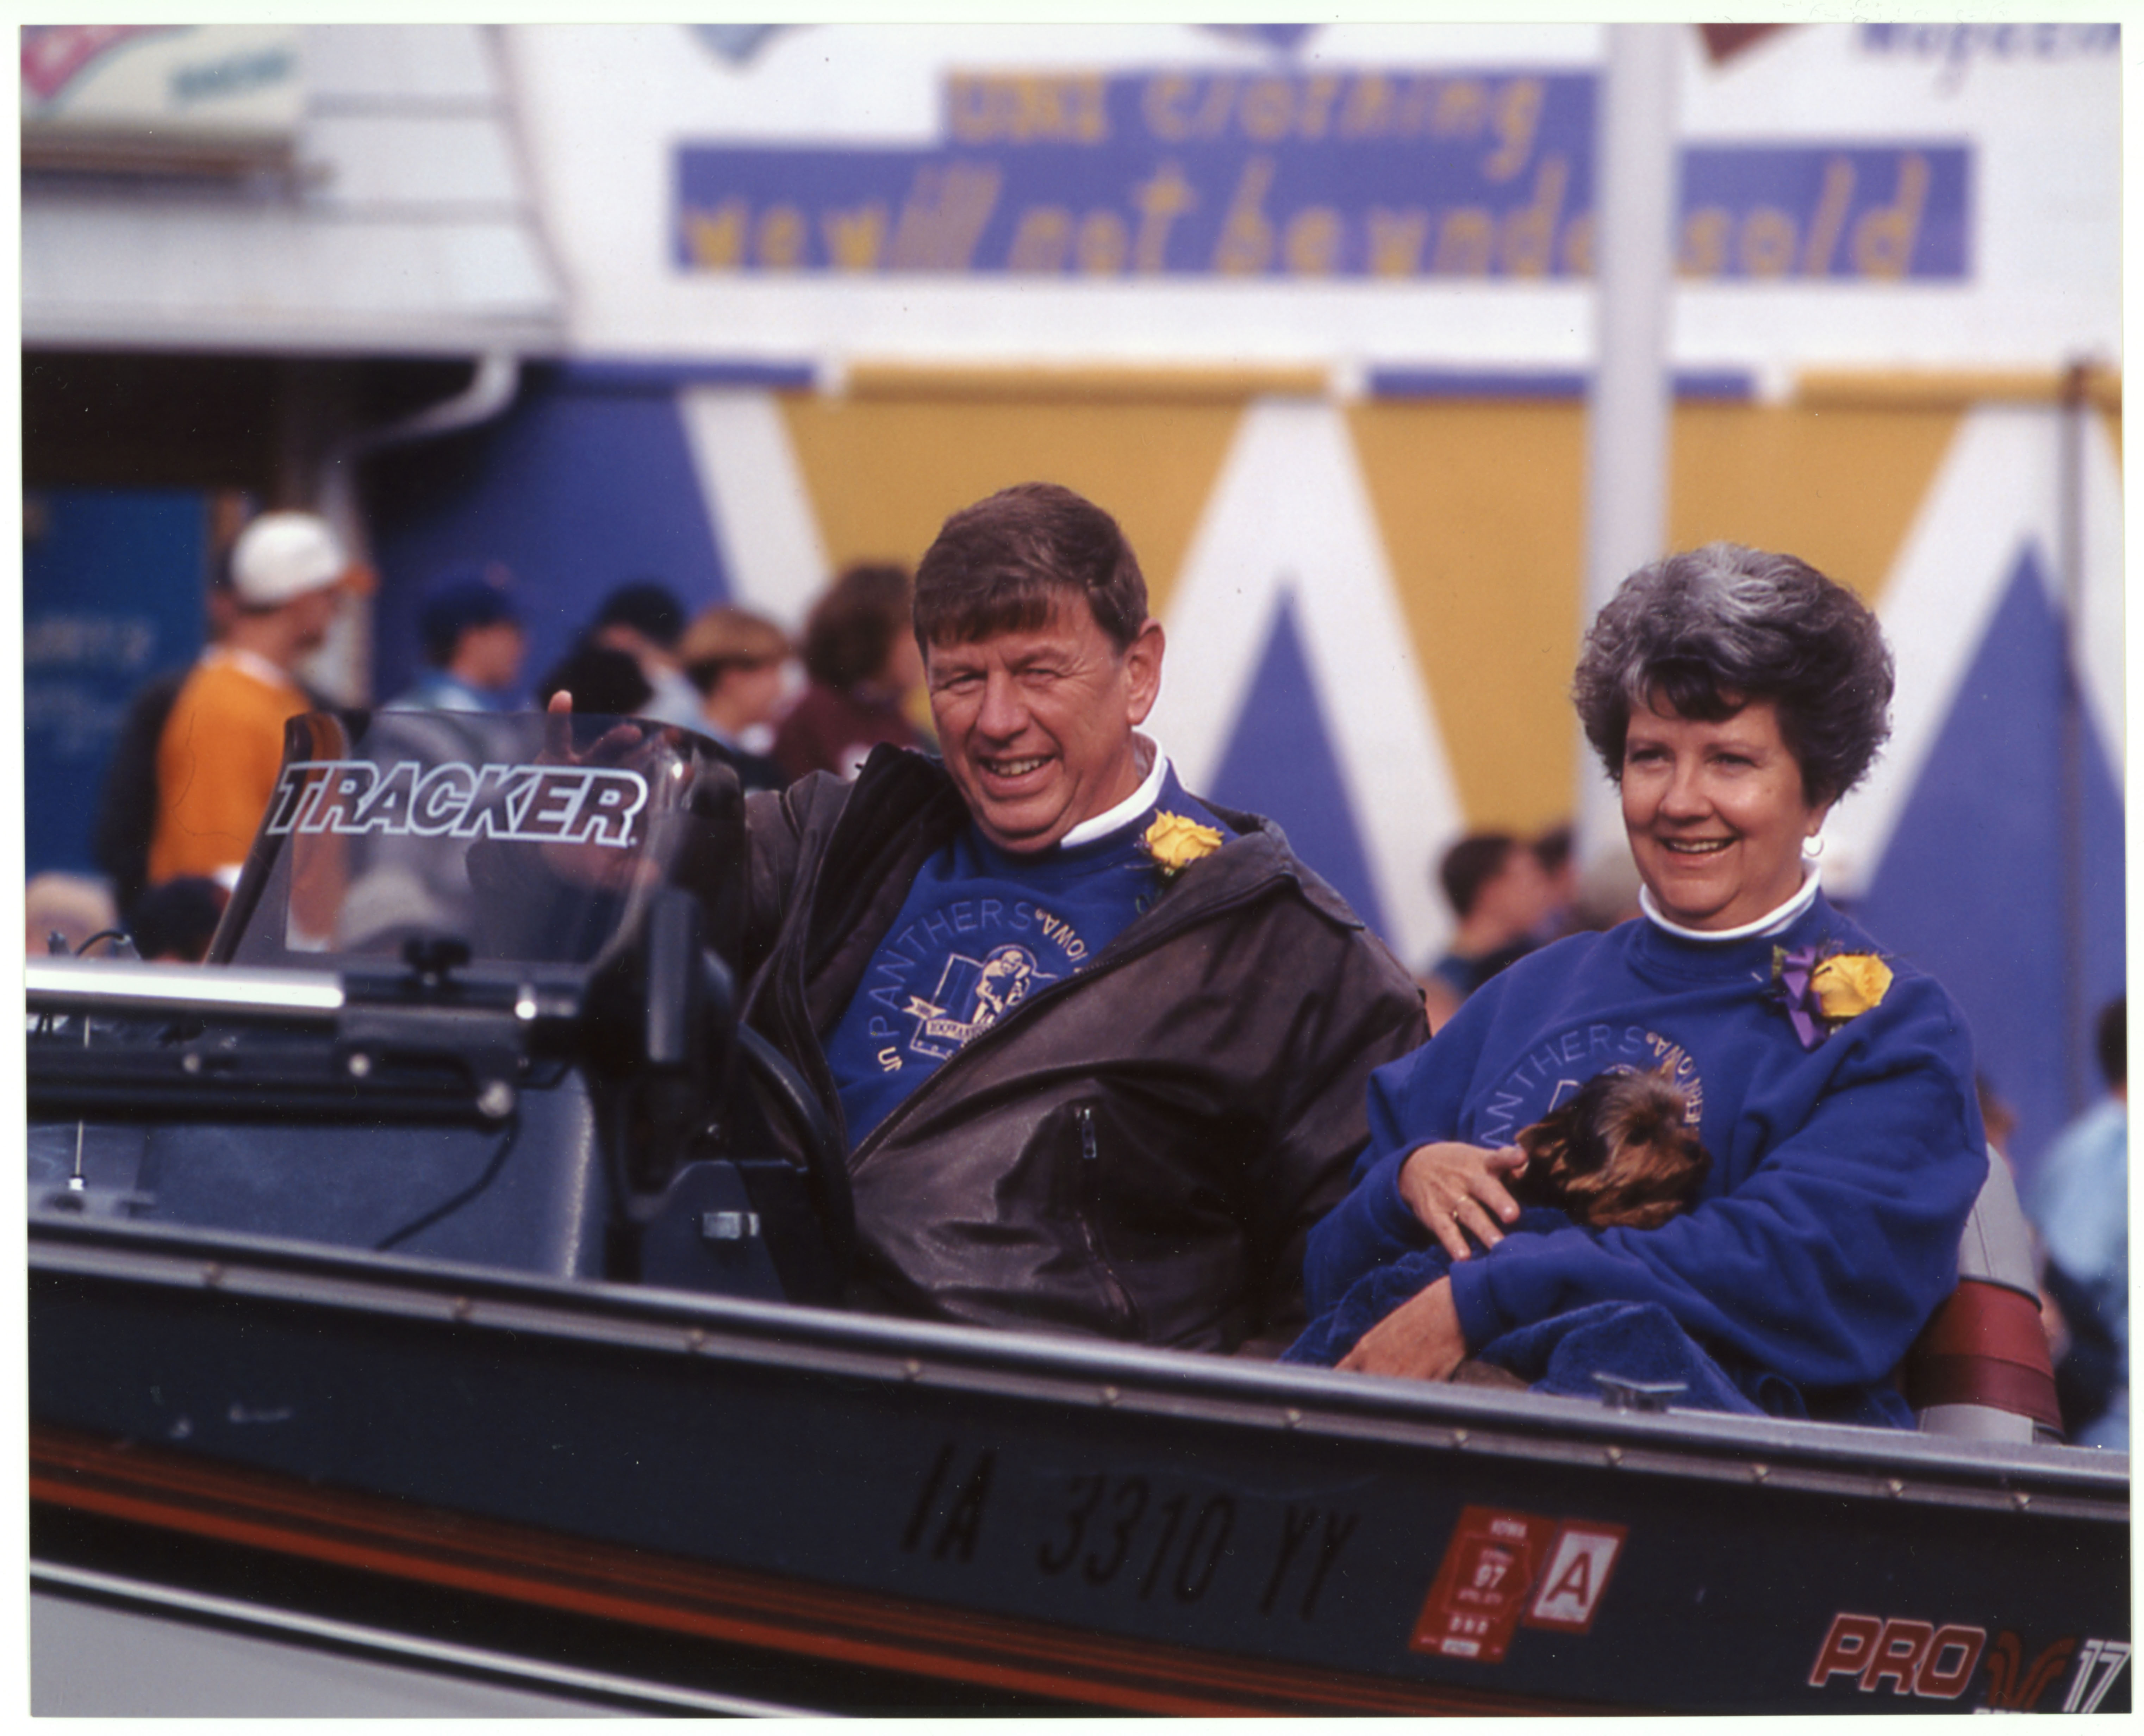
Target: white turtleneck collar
x,y
1772,922
1100,825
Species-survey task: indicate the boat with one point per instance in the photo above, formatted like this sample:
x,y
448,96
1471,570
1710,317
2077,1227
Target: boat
x,y
413,1328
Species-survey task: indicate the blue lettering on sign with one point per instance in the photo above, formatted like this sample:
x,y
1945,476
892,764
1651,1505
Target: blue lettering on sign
x,y
1954,48
1363,175
2004,42
1866,213
231,77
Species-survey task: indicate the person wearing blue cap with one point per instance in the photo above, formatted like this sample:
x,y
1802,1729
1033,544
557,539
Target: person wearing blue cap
x,y
644,618
473,642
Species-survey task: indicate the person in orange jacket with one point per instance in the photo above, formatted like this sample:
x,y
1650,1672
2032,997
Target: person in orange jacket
x,y
217,759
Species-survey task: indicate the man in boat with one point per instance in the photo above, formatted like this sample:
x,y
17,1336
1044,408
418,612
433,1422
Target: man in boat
x,y
1099,1048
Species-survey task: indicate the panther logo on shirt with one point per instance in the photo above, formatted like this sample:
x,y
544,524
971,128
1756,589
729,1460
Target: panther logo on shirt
x,y
1556,1068
985,990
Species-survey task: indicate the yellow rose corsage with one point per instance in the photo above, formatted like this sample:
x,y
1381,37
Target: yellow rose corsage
x,y
1176,843
1822,990
1849,983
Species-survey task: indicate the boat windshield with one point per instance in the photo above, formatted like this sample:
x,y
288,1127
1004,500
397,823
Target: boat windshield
x,y
529,838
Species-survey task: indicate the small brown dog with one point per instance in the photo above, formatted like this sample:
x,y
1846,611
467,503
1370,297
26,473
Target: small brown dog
x,y
1619,1154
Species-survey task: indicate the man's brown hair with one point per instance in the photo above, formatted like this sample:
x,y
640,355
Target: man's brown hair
x,y
1000,566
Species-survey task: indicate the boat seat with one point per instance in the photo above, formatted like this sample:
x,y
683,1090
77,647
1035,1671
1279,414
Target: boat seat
x,y
1980,1367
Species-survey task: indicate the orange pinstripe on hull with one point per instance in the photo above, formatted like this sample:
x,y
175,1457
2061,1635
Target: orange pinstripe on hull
x,y
260,1510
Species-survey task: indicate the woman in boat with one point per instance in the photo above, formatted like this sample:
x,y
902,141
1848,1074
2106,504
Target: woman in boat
x,y
1733,695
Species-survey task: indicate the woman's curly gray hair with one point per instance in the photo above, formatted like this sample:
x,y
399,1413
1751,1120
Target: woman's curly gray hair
x,y
1711,630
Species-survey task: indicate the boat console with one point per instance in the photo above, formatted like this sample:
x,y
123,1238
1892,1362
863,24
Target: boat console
x,y
472,999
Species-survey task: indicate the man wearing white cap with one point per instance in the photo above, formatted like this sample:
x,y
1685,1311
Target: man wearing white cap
x,y
217,760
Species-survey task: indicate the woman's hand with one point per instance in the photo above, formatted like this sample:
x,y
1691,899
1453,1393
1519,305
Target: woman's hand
x,y
1419,1340
1456,1188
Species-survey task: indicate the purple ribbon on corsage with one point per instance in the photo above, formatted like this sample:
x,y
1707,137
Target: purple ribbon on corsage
x,y
1793,971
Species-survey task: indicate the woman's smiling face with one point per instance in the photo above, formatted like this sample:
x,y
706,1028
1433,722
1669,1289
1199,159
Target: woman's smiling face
x,y
1715,813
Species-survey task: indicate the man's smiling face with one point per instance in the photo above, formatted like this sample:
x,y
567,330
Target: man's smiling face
x,y
1036,725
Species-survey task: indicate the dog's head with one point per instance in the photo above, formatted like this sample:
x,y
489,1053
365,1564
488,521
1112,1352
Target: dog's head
x,y
1620,1154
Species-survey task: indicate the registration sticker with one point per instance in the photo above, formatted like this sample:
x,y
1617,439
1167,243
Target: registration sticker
x,y
1579,1564
1489,1568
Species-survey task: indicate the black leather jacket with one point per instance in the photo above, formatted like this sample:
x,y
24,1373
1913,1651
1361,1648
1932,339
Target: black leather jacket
x,y
1137,1152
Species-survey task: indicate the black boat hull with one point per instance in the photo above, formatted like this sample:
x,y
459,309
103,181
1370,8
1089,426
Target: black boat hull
x,y
701,1496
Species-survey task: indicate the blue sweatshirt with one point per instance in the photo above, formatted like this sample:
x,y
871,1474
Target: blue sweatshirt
x,y
1844,1165
981,931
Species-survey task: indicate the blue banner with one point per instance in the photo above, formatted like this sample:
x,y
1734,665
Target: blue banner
x,y
112,583
1354,175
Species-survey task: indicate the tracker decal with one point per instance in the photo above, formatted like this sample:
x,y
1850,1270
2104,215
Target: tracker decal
x,y
519,804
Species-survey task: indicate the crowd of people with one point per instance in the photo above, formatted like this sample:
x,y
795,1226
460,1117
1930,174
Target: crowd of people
x,y
1108,1057
194,759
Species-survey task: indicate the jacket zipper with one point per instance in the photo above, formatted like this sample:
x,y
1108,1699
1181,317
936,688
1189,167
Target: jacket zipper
x,y
1090,1182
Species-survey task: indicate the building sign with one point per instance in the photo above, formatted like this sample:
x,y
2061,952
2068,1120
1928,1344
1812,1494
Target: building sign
x,y
156,90
1346,175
